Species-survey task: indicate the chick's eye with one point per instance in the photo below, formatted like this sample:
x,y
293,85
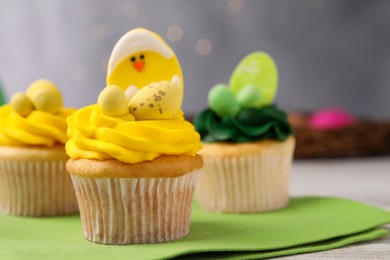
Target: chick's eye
x,y
132,59
141,56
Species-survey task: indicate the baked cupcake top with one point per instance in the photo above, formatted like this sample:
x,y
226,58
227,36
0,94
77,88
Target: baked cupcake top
x,y
243,111
35,118
138,115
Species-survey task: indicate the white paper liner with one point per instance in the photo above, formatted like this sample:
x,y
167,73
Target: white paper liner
x,y
135,210
36,188
248,183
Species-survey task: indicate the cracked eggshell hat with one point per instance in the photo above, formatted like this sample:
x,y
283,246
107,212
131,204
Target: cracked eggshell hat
x,y
134,41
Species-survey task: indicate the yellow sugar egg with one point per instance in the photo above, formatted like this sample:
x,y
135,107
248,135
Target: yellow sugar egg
x,y
45,96
46,101
158,100
112,101
21,104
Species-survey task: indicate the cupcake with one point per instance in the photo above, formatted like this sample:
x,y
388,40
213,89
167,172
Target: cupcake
x,y
247,142
133,156
33,177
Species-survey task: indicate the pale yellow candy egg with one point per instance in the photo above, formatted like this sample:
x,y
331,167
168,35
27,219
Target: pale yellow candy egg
x,y
159,100
112,101
21,104
45,96
46,101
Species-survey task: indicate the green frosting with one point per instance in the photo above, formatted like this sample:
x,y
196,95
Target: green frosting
x,y
250,124
2,96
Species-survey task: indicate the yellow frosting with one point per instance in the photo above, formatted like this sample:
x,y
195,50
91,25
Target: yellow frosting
x,y
93,135
37,129
35,118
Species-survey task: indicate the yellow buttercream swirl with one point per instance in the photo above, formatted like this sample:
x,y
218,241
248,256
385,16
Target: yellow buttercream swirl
x,y
39,128
93,135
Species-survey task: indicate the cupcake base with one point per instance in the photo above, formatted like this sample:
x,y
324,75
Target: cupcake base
x,y
245,178
134,210
34,182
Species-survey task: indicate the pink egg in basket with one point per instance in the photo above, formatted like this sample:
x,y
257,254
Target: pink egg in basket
x,y
331,118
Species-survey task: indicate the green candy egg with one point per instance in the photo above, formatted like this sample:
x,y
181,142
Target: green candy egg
x,y
249,97
259,69
222,101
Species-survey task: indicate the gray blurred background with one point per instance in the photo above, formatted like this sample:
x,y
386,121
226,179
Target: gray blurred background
x,y
330,53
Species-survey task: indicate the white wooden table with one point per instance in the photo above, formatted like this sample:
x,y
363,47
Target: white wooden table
x,y
366,180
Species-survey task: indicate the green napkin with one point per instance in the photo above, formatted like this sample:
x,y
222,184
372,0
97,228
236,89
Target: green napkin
x,y
308,224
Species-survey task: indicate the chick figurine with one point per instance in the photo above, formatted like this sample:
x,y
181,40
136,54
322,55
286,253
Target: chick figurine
x,y
139,58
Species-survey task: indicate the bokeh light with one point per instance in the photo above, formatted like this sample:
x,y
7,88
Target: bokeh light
x,y
130,9
175,33
235,6
204,47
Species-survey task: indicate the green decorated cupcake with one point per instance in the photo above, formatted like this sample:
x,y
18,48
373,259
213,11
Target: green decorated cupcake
x,y
248,143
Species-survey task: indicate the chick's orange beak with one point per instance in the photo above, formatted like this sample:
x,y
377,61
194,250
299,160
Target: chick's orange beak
x,y
139,65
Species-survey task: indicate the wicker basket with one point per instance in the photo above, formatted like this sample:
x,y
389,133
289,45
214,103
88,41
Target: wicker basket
x,y
363,138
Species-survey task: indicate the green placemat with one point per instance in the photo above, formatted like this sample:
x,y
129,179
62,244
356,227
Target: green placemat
x,y
308,224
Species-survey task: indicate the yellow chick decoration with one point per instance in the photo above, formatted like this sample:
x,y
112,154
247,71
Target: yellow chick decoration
x,y
141,57
42,95
147,72
159,100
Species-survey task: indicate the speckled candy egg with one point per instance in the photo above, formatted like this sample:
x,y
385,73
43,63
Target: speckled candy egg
x,y
159,100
